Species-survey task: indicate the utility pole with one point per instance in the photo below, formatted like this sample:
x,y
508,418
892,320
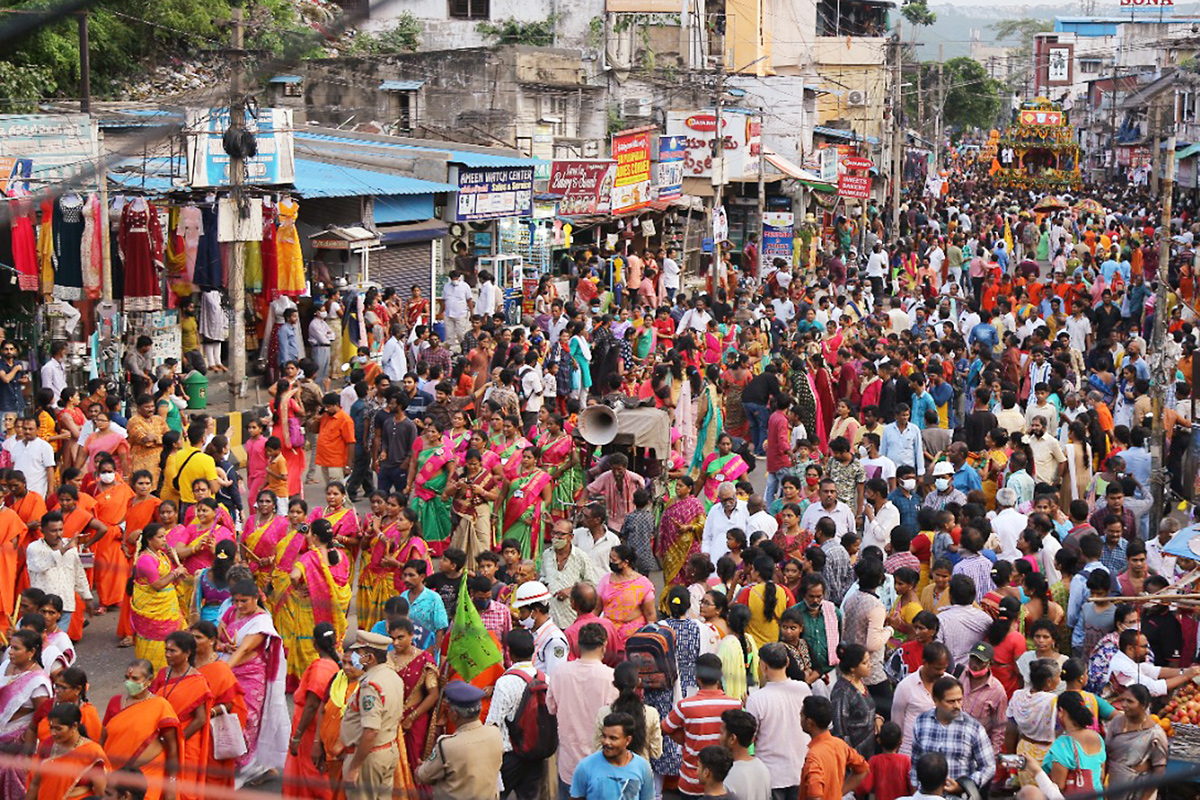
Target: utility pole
x,y
1163,369
941,110
920,100
762,187
1156,138
237,174
85,66
897,133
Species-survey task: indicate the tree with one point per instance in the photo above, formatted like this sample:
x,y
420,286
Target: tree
x,y
513,31
403,37
917,12
972,99
1021,31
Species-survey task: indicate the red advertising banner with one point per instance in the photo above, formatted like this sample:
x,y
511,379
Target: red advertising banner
x,y
855,186
1033,117
631,188
584,187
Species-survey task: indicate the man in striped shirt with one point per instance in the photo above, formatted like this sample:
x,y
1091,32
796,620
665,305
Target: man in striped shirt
x,y
695,722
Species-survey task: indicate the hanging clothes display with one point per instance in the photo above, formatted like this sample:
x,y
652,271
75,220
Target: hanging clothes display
x,y
141,243
24,243
91,251
117,266
291,259
269,251
208,272
45,246
253,269
179,280
214,328
68,247
191,227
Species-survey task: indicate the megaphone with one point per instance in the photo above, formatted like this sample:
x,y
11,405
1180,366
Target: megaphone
x,y
598,425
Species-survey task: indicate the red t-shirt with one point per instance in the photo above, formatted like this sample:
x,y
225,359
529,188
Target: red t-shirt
x,y
888,777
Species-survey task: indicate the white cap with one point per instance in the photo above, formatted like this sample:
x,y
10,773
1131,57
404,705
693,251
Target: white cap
x,y
530,593
943,468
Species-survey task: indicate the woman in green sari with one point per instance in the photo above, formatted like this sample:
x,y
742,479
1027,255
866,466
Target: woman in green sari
x,y
525,499
560,458
430,475
710,419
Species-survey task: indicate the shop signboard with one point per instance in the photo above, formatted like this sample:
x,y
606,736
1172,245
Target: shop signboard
x,y
829,164
854,186
494,193
529,290
671,150
63,146
699,132
208,163
582,187
631,188
777,236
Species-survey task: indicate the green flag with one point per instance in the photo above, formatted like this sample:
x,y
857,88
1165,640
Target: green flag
x,y
472,648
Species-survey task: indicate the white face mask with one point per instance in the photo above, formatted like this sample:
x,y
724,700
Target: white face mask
x,y
942,484
909,484
322,314
108,477
356,660
862,451
527,623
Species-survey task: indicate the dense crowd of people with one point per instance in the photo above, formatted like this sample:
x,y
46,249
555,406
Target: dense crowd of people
x,y
944,587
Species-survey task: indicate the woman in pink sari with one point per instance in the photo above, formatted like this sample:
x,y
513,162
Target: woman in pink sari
x,y
510,447
260,535
489,459
195,545
626,596
285,410
341,517
24,686
105,439
319,591
256,458
255,654
408,544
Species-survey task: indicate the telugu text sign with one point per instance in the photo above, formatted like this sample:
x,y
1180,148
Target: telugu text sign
x,y
631,188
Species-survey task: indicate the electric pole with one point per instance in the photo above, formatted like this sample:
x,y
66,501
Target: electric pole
x,y
897,133
237,174
85,65
941,109
1163,367
718,173
1156,138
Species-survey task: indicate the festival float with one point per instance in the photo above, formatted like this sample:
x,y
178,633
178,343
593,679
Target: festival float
x,y
1045,156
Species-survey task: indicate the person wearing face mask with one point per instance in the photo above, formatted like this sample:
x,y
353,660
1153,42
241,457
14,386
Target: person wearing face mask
x,y
569,566
944,492
112,503
457,305
984,696
320,339
905,498
532,603
371,721
136,717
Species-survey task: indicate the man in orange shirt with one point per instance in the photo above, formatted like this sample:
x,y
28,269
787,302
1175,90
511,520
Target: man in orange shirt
x,y
824,774
335,439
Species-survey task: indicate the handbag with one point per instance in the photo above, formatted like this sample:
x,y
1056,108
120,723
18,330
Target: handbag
x,y
228,739
295,432
1078,779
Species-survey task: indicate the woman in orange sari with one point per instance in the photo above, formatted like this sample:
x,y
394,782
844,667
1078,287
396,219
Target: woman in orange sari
x,y
228,698
329,748
187,690
141,730
142,510
112,503
283,409
70,688
300,777
68,765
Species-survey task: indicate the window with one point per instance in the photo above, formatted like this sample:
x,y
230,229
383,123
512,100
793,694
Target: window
x,y
407,107
293,90
470,9
552,111
1090,66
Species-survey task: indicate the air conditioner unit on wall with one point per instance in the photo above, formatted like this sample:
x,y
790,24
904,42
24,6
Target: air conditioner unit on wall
x,y
636,107
856,97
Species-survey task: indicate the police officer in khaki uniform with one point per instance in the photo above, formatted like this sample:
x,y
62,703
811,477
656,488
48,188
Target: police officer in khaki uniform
x,y
466,764
371,721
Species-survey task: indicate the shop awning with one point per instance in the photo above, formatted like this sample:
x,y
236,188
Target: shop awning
x,y
401,86
1188,152
351,237
794,170
318,179
394,209
847,136
415,232
467,158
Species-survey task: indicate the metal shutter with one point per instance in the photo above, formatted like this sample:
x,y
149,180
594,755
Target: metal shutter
x,y
401,266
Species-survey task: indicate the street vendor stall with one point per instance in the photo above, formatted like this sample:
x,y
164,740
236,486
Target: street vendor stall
x,y
1039,149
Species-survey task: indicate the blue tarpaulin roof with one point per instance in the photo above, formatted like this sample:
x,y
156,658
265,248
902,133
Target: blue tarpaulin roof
x,y
401,86
313,179
287,79
838,133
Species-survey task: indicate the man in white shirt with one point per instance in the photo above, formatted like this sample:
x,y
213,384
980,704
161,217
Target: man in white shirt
x,y
558,320
937,257
785,309
1160,562
532,389
594,539
670,276
877,264
1008,524
1129,666
780,745
32,456
54,374
457,304
748,778
392,358
760,520
829,506
56,569
695,319
726,514
880,515
489,298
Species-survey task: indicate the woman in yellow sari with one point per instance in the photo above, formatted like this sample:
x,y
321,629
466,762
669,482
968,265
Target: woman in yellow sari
x,y
154,610
260,536
319,592
376,581
997,463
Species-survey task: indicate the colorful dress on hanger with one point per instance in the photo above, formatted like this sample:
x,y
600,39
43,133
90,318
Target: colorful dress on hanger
x,y
291,260
68,248
209,272
114,248
45,246
92,249
141,244
24,244
269,253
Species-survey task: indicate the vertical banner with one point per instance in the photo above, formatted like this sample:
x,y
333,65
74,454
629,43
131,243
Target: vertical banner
x,y
777,237
671,150
631,190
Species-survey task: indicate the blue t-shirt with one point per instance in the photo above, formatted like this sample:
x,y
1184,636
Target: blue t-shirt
x,y
597,779
419,633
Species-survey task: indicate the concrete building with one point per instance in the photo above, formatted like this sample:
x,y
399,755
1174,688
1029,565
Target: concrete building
x,y
454,24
